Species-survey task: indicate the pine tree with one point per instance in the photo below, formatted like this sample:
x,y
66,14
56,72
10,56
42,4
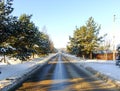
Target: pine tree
x,y
85,39
5,25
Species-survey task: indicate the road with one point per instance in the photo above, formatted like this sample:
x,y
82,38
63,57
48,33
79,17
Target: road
x,y
60,75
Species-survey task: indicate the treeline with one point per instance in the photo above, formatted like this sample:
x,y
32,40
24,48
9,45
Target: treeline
x,y
86,40
19,36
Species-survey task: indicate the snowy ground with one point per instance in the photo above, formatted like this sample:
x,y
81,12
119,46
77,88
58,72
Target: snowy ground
x,y
18,69
106,67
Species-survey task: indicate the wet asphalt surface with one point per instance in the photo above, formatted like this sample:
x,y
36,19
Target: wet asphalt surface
x,y
60,75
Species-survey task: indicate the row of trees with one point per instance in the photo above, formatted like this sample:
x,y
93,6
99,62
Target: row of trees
x,y
20,37
86,39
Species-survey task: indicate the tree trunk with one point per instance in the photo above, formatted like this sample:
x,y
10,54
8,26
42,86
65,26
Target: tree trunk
x,y
83,57
4,57
33,54
106,56
90,55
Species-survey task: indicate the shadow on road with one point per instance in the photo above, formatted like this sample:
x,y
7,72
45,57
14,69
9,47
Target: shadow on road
x,y
60,75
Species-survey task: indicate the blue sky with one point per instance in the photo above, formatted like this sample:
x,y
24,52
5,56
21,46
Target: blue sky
x,y
61,16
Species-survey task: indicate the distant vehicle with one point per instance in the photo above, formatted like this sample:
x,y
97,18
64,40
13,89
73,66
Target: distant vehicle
x,y
118,56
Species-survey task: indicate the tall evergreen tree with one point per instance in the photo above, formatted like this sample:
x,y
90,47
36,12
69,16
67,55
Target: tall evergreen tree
x,y
6,21
86,39
20,37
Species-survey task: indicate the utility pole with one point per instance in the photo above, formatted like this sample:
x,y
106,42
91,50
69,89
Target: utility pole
x,y
114,48
114,17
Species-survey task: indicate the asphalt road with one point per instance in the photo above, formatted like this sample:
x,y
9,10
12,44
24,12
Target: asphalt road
x,y
60,75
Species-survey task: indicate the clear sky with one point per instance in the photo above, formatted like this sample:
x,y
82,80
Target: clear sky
x,y
61,16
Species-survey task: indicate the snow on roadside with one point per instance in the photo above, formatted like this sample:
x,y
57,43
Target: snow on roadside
x,y
109,69
18,70
103,66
